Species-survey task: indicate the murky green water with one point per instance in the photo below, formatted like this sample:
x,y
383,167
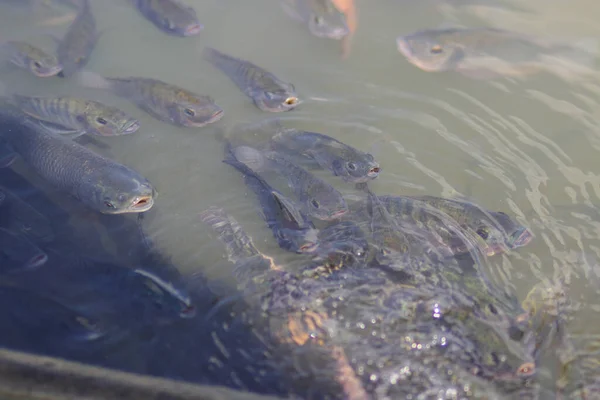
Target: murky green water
x,y
527,147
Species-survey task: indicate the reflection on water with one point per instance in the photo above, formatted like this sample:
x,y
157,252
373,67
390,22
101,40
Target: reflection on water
x,y
524,145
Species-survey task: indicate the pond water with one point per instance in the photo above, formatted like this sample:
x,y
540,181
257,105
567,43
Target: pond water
x,y
527,146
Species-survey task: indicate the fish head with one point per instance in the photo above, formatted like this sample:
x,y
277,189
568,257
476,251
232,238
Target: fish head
x,y
358,169
302,241
180,21
18,253
329,23
277,101
516,234
326,204
431,51
196,111
45,66
107,121
117,189
164,295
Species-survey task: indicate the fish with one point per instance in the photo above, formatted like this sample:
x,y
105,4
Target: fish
x,y
350,164
17,253
77,116
268,92
292,229
165,102
7,154
96,181
31,58
171,16
75,48
18,216
323,19
482,53
499,231
317,198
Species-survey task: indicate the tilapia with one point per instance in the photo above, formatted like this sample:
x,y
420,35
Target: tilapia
x,y
268,92
317,197
490,52
31,58
165,102
76,116
17,253
171,16
499,231
292,229
350,164
321,16
98,182
75,48
20,217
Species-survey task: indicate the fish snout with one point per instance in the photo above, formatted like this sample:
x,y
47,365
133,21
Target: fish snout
x,y
193,29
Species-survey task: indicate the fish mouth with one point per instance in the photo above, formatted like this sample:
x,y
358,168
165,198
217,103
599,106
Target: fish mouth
x,y
291,102
48,72
214,117
141,204
374,172
192,30
308,248
37,261
523,237
131,127
337,214
188,312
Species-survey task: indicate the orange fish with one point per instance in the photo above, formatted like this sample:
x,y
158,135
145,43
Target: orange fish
x,y
348,8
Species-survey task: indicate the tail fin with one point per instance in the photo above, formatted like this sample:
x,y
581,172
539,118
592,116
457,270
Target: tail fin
x,y
237,243
93,80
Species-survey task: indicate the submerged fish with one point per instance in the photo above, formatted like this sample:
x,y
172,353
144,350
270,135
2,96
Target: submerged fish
x,y
490,52
18,216
321,16
268,92
17,253
100,183
165,102
318,198
350,164
291,228
7,154
31,58
76,46
498,230
171,16
76,115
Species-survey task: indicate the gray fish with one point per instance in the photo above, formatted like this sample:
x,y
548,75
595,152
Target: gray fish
x,y
292,229
489,52
321,16
7,154
17,253
268,92
77,116
165,102
31,58
18,216
100,183
76,46
318,198
350,164
171,16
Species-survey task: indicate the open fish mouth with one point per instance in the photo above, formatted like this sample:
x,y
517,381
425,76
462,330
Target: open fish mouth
x,y
337,214
48,72
192,30
141,204
37,261
131,127
308,248
374,172
523,237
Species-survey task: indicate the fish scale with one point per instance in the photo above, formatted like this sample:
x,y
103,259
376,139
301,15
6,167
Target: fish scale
x,y
78,43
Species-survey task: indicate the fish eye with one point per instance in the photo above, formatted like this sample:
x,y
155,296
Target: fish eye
x,y
101,121
290,101
436,49
492,309
318,20
189,112
108,204
315,203
526,369
483,232
351,166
